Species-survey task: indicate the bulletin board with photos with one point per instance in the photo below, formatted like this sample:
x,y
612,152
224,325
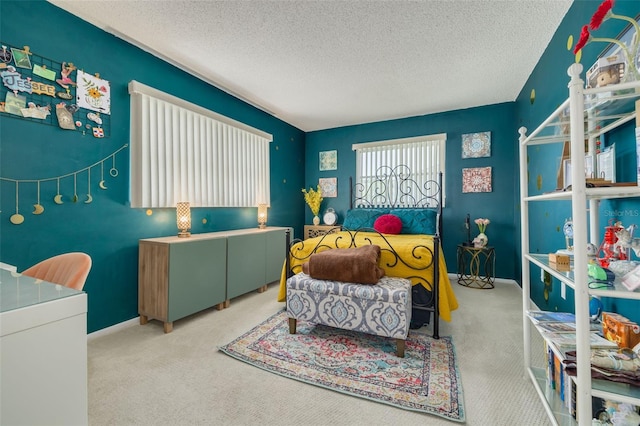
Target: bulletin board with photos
x,y
45,91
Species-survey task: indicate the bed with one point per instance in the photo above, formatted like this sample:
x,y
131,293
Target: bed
x,y
415,253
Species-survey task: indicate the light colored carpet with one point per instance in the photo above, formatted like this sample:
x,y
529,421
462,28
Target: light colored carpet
x,y
426,379
140,376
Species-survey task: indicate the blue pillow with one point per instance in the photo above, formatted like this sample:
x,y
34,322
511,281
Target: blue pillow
x,y
362,218
417,221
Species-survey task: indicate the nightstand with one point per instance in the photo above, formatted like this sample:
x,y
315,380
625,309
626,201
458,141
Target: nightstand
x,y
476,266
311,231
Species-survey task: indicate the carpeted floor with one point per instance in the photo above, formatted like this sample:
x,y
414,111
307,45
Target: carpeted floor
x,y
426,380
139,375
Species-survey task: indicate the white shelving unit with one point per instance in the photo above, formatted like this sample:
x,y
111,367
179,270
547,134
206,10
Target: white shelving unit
x,y
591,113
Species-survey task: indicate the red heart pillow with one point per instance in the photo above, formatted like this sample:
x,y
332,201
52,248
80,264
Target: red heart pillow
x,y
388,224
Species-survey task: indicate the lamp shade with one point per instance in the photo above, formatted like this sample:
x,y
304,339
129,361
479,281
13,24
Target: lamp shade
x,y
183,218
262,216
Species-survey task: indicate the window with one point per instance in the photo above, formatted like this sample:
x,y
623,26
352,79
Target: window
x,y
423,156
183,152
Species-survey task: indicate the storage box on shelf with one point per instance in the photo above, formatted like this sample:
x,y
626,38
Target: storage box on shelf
x,y
585,115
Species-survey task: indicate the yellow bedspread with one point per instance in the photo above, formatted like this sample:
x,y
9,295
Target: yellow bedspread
x,y
403,246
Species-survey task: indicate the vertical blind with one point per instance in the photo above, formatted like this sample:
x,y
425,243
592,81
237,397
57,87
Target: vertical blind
x,y
183,152
424,156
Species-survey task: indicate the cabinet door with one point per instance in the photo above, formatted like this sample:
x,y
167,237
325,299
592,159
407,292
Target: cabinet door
x,y
246,263
197,276
275,250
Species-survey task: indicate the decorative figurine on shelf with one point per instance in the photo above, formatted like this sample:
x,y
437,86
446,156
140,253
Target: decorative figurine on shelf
x,y
567,230
481,240
313,199
624,239
592,252
607,77
608,246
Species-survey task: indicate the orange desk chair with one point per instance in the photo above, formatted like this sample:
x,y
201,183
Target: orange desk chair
x,y
68,269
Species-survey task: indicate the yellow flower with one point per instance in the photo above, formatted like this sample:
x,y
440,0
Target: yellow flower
x,y
313,199
94,93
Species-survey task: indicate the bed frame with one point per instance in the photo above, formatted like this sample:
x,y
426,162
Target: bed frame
x,y
390,188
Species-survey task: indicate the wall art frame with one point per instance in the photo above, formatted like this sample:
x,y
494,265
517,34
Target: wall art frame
x,y
476,145
328,160
329,187
477,179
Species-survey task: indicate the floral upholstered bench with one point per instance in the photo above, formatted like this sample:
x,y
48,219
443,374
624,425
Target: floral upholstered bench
x,y
382,309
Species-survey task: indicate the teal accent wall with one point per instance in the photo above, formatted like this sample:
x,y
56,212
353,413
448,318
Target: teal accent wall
x,y
550,80
499,205
502,205
108,229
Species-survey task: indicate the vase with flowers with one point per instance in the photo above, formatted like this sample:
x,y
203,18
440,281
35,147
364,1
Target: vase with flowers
x,y
631,51
313,198
481,240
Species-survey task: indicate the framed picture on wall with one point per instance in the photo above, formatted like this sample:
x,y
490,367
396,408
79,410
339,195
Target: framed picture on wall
x,y
476,145
329,160
329,187
477,179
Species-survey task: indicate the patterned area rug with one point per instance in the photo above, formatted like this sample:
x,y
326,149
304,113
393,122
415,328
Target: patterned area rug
x,y
426,380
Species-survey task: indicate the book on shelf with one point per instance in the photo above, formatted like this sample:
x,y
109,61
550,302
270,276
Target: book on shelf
x,y
564,327
568,340
549,316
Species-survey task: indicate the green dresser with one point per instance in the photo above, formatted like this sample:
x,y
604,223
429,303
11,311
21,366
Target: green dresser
x,y
254,260
178,277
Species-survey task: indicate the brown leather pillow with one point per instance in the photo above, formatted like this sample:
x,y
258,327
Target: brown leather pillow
x,y
353,265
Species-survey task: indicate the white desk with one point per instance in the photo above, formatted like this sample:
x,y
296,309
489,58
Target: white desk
x,y
43,352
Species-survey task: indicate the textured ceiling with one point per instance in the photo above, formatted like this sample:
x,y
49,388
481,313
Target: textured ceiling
x,y
325,64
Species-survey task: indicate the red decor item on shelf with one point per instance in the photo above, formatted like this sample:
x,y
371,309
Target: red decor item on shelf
x,y
607,248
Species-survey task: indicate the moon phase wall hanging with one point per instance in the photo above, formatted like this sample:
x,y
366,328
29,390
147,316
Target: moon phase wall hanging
x,y
59,94
72,195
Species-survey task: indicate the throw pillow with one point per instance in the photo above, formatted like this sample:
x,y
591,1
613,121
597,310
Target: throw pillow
x,y
388,224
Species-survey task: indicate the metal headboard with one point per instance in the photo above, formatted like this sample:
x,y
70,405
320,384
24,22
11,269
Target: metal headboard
x,y
393,187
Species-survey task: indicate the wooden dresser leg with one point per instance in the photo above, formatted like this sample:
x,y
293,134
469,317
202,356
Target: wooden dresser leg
x,y
227,303
144,319
292,325
168,327
400,348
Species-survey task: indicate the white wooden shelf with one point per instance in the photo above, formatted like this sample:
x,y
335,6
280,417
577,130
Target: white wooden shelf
x,y
599,110
567,277
601,193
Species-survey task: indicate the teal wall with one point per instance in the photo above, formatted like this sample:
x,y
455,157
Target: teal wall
x,y
550,81
498,205
108,229
502,205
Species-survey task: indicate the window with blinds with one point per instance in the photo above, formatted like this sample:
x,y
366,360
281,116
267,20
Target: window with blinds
x,y
183,152
422,156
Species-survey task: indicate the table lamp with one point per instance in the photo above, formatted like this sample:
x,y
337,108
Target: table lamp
x,y
183,219
262,216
